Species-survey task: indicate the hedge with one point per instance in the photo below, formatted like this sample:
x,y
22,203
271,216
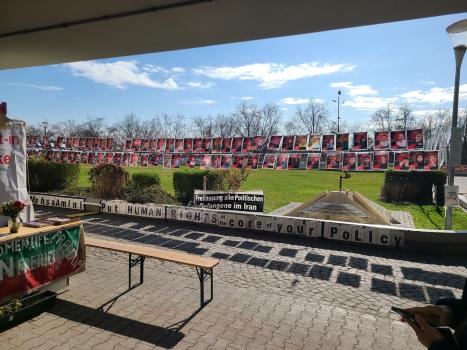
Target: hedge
x,y
45,176
185,183
413,186
108,181
142,180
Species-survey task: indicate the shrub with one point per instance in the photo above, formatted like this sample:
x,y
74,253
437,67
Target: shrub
x,y
142,180
152,194
107,181
44,176
186,183
413,186
231,179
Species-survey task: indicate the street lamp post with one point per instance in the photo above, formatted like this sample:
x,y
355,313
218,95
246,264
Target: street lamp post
x,y
45,125
458,34
338,109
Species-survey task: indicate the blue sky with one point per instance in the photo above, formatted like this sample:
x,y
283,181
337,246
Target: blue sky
x,y
374,65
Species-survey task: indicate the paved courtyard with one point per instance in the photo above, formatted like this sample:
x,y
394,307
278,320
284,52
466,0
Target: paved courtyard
x,y
270,292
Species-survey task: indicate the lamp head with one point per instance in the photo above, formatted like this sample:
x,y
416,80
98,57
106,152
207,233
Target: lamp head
x,y
458,34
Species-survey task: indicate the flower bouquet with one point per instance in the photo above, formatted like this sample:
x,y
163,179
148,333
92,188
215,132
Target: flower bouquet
x,y
12,210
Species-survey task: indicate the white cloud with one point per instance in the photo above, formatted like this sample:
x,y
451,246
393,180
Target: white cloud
x,y
178,70
435,95
199,84
247,98
120,74
200,101
284,109
150,68
355,90
40,87
423,112
272,75
294,101
369,102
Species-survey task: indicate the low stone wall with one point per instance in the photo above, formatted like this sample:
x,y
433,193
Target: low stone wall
x,y
443,242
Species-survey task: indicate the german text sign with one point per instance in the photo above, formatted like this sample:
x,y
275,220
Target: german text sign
x,y
251,201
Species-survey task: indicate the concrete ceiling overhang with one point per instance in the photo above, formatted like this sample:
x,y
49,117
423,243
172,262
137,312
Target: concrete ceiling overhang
x,y
56,31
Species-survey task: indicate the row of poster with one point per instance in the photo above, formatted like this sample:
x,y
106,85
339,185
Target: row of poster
x,y
346,161
358,141
78,143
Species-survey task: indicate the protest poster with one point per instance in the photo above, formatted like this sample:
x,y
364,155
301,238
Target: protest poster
x,y
431,160
415,139
328,142
161,145
187,145
288,143
382,140
226,145
364,161
239,161
301,143
237,144
226,161
381,160
252,162
197,145
349,162
398,140
360,141
170,145
333,160
401,161
216,145
206,161
178,146
206,145
282,161
314,143
249,201
167,162
342,142
416,160
274,143
313,160
269,161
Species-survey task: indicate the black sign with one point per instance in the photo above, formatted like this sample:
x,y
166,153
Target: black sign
x,y
251,201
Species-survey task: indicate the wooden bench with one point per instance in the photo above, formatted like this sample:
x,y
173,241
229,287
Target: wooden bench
x,y
204,266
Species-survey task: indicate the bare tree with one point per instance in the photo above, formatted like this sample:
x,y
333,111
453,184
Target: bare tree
x,y
224,126
405,117
245,118
202,126
432,123
382,118
313,119
269,120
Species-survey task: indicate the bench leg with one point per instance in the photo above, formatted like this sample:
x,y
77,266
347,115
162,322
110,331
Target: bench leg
x,y
132,262
203,275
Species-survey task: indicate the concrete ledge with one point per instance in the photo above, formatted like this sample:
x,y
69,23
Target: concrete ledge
x,y
417,240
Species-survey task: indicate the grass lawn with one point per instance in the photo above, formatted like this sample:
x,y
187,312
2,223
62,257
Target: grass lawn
x,y
283,187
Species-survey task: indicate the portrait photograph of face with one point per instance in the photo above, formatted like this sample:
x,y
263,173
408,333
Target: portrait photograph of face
x,y
282,161
398,140
333,161
226,145
252,162
144,160
301,142
269,161
175,161
313,161
161,145
257,144
274,142
360,140
197,143
206,145
216,161
167,163
401,161
88,143
247,144
294,161
328,143
342,142
145,144
382,140
84,158
187,145
238,161
381,161
191,161
314,143
226,161
237,144
153,145
288,143
415,139
170,145
179,145
216,144
431,160
206,161
349,162
364,161
416,161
